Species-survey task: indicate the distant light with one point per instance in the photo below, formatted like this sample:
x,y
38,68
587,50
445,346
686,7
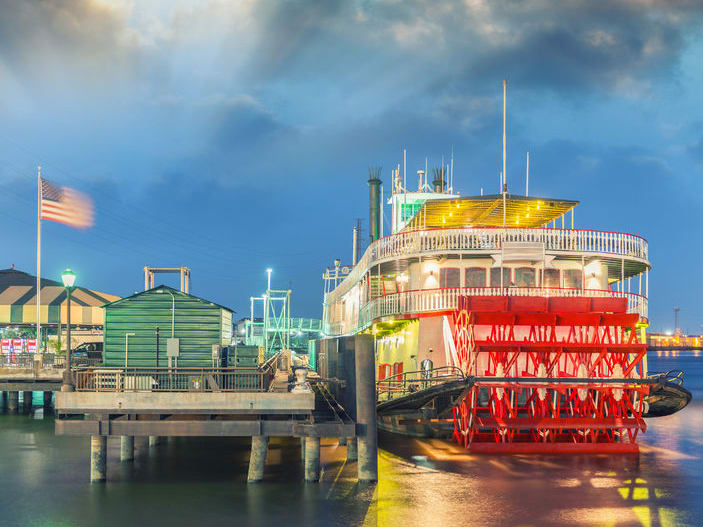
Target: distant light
x,y
269,270
68,277
669,332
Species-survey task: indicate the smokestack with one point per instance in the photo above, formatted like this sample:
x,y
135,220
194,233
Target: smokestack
x,y
355,242
438,179
374,202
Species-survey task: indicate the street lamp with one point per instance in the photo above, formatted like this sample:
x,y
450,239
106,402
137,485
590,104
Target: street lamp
x,y
68,277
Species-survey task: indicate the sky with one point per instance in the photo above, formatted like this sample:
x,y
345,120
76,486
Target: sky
x,y
235,136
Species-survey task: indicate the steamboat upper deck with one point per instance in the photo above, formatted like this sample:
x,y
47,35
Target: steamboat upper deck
x,y
453,246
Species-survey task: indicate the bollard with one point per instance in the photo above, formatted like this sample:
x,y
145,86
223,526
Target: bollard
x,y
27,401
13,401
154,440
312,459
342,441
367,438
352,454
257,458
126,448
98,458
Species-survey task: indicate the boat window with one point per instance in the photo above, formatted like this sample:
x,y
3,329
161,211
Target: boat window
x,y
550,278
475,277
495,277
449,277
525,277
573,279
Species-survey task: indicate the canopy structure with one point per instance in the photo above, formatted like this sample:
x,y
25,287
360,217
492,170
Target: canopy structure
x,y
18,303
487,211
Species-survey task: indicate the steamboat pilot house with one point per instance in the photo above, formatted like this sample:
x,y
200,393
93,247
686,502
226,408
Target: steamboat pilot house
x,y
445,247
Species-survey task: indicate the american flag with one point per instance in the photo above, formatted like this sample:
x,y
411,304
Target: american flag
x,y
65,205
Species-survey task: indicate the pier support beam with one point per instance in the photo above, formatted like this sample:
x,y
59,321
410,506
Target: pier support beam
x,y
47,399
98,458
13,401
352,454
126,448
27,401
154,440
312,459
367,438
257,458
302,449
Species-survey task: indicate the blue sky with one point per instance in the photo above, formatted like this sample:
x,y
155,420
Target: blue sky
x,y
233,136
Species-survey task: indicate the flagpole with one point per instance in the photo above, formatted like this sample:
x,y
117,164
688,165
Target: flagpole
x,y
39,259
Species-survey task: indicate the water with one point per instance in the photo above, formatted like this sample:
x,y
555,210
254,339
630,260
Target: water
x,y
201,481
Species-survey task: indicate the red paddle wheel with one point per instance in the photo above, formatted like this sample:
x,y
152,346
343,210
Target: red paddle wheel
x,y
518,339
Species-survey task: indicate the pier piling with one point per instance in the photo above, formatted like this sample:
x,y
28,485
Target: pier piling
x,y
257,458
13,401
154,440
27,401
312,459
47,399
367,438
126,448
352,452
98,458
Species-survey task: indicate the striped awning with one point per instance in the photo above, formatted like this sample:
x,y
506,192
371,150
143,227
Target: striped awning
x,y
18,302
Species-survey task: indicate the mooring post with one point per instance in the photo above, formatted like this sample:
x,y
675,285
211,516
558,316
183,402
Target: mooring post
x,y
352,453
27,401
98,458
154,440
367,439
13,401
312,459
257,458
126,448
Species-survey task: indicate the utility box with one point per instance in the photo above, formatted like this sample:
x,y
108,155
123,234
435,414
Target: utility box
x,y
189,328
172,347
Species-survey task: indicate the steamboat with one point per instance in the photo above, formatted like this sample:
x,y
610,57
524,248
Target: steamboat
x,y
499,323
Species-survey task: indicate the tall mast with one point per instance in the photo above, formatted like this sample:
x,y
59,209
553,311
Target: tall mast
x,y
504,186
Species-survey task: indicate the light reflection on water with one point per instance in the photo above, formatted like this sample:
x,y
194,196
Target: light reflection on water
x,y
201,481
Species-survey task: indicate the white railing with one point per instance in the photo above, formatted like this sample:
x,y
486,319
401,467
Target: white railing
x,y
434,300
491,239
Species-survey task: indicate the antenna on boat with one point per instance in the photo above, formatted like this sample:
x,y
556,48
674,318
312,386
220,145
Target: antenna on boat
x,y
405,181
527,176
504,188
424,186
451,174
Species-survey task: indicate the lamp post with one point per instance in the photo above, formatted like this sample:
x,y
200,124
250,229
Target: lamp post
x,y
68,278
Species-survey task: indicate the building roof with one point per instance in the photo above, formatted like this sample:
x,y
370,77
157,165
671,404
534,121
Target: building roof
x,y
487,211
175,292
18,292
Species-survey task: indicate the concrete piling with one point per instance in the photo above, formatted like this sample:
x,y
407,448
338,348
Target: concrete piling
x,y
154,440
47,399
126,448
13,401
98,458
27,401
352,451
312,459
302,449
257,458
367,440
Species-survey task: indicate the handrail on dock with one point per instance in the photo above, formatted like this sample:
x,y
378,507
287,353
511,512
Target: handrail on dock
x,y
164,379
412,381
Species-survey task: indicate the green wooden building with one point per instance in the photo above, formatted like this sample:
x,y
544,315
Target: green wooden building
x,y
189,327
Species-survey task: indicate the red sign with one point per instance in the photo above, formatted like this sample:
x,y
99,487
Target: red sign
x,y
17,345
5,346
31,345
